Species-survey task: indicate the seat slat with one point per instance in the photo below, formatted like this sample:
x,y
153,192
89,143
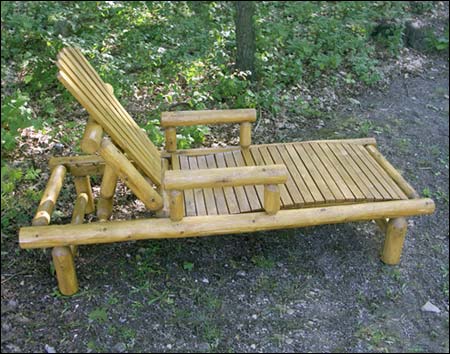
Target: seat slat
x,y
360,170
219,195
321,184
210,201
249,190
290,185
389,183
312,187
250,162
230,195
262,154
189,201
297,178
368,172
331,184
353,170
314,166
241,196
198,192
351,185
333,171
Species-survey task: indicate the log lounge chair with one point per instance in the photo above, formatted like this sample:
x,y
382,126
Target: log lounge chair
x,y
203,192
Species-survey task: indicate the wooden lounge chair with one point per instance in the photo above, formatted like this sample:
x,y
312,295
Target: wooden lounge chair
x,y
202,192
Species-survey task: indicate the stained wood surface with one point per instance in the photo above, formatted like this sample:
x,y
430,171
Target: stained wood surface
x,y
320,173
80,78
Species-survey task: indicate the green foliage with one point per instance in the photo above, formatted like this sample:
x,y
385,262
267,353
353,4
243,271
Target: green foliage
x,y
16,114
183,52
98,315
15,211
438,43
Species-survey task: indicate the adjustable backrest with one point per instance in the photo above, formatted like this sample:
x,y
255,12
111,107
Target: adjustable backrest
x,y
80,78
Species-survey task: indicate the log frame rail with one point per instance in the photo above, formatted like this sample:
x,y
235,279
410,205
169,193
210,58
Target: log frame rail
x,y
209,191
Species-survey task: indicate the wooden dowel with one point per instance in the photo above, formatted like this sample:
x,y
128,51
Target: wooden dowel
x,y
92,137
225,177
80,166
393,242
186,118
109,183
117,231
130,175
79,211
65,270
271,198
382,224
109,88
171,139
245,134
107,190
83,185
104,208
51,193
392,172
164,211
176,202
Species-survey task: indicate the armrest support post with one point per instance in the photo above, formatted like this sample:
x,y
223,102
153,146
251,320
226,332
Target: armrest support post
x,y
245,135
171,139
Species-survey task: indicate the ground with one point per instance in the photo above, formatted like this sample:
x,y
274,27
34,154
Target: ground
x,y
314,289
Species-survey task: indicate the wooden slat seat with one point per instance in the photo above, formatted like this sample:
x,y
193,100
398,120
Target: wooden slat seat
x,y
320,173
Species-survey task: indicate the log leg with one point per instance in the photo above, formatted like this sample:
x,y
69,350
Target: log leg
x,y
393,243
65,270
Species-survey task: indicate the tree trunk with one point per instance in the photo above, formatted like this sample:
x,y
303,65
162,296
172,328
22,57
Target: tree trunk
x,y
245,37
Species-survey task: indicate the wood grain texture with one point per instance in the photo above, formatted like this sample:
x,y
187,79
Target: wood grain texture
x,y
119,231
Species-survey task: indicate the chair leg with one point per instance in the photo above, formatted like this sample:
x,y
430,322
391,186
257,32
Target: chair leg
x,y
65,270
393,242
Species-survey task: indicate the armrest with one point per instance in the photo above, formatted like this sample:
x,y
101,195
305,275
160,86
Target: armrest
x,y
225,177
171,120
186,118
270,176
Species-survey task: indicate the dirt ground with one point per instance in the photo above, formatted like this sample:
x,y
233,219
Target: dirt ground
x,y
312,289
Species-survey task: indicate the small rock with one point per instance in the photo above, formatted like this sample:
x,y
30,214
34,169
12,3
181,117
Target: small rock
x,y
289,341
12,304
205,280
6,326
13,348
203,347
253,346
255,317
120,348
429,307
58,147
241,273
290,312
169,346
49,349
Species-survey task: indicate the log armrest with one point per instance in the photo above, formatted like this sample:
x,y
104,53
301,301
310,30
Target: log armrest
x,y
171,120
270,176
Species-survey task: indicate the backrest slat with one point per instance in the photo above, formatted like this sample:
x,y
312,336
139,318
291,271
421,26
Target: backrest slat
x,y
96,97
113,100
78,76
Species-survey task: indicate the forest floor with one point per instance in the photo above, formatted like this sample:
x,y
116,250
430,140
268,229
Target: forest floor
x,y
314,289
